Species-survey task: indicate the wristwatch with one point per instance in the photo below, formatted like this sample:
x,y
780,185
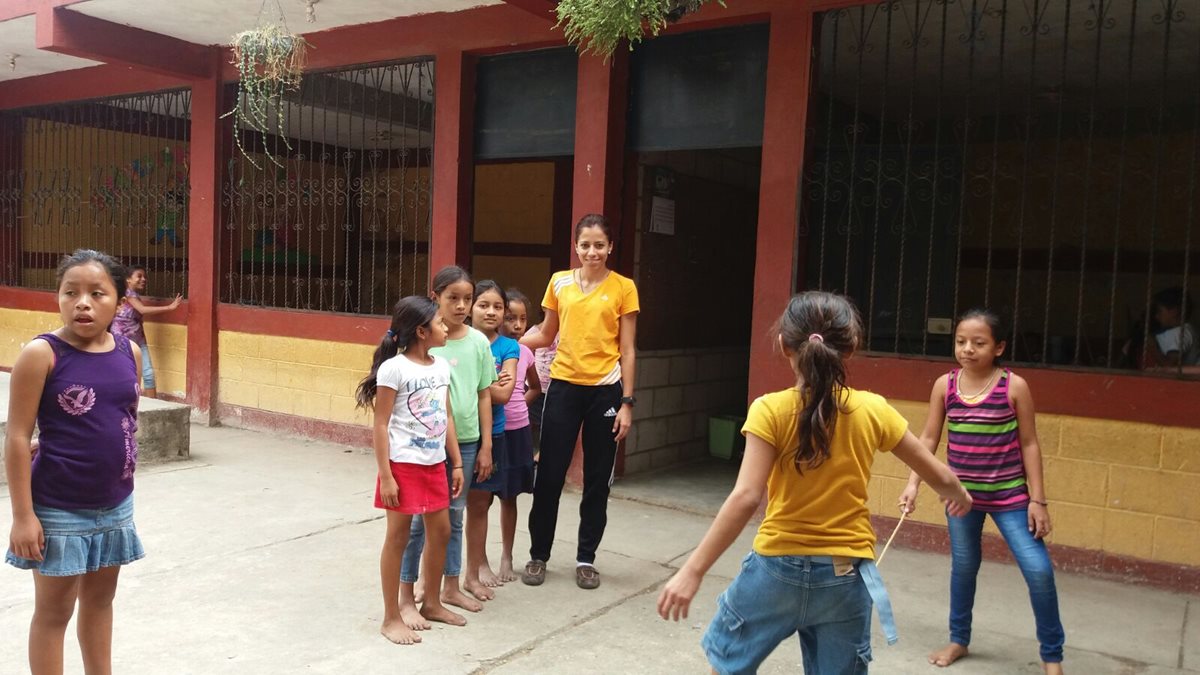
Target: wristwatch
x,y
629,400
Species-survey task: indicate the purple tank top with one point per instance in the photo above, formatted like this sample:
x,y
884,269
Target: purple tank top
x,y
87,420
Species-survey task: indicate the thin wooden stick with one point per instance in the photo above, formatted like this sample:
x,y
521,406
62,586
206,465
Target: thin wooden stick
x,y
903,515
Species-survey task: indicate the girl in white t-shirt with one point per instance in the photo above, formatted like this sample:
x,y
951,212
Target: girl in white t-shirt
x,y
413,436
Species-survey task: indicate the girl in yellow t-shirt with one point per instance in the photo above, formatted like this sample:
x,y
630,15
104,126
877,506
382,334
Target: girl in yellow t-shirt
x,y
591,386
810,449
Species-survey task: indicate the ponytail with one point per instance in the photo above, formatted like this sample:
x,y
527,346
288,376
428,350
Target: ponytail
x,y
411,313
820,330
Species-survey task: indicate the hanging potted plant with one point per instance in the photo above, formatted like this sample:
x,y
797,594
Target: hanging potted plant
x,y
598,26
270,62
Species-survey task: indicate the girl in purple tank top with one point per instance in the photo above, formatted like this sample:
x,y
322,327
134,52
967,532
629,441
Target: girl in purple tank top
x,y
72,503
992,446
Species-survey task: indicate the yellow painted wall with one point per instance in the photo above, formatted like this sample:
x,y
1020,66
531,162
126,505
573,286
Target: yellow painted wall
x,y
514,202
308,378
168,351
168,344
1120,487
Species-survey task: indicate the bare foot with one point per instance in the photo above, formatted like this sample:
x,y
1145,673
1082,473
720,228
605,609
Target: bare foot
x,y
419,591
411,616
478,590
453,596
506,570
397,632
441,614
947,655
488,578
1052,668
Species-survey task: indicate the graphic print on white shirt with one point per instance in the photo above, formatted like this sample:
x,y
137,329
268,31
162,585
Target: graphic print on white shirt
x,y
419,420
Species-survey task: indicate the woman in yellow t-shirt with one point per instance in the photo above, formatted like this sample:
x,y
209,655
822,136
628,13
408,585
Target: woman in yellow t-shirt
x,y
809,448
593,311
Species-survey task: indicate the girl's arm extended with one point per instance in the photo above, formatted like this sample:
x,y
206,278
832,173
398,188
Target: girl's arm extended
x,y
148,310
930,437
741,504
502,388
29,374
483,461
533,385
385,401
547,331
628,339
1031,455
452,451
917,456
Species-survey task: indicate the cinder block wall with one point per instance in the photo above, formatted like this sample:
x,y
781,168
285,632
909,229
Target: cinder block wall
x,y
1119,487
677,391
168,344
307,378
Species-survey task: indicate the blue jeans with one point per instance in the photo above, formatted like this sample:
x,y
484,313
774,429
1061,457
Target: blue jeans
x,y
147,369
411,565
775,597
966,551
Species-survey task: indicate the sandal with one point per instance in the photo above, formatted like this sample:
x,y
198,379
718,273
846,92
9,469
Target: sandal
x,y
535,573
587,577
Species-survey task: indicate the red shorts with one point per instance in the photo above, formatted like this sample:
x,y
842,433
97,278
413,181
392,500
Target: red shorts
x,y
424,488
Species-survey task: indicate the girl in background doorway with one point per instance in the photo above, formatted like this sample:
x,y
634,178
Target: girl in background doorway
x,y
992,446
409,390
72,504
591,388
471,376
487,315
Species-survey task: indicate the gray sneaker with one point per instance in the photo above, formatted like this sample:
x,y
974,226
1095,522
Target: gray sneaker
x,y
535,573
587,577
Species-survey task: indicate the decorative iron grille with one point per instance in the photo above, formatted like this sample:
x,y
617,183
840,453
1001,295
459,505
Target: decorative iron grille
x,y
338,217
1038,157
108,174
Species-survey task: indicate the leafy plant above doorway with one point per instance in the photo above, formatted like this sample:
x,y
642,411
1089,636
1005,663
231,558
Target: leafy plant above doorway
x,y
598,26
270,61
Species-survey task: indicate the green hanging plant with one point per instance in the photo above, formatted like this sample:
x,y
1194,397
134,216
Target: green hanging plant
x,y
598,26
270,61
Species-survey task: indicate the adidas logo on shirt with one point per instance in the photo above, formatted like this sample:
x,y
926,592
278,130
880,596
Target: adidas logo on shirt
x,y
612,412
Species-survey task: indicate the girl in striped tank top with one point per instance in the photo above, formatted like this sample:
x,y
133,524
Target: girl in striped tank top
x,y
992,447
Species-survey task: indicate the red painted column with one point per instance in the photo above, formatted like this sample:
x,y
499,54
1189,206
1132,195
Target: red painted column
x,y
453,159
204,214
779,191
602,93
601,96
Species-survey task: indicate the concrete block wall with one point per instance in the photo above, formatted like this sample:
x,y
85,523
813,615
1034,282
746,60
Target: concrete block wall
x,y
677,391
305,378
168,344
1119,487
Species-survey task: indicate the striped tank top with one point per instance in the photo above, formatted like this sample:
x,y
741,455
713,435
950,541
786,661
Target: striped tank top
x,y
983,447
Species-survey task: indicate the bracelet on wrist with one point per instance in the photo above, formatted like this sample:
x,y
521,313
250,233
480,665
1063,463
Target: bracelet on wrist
x,y
457,467
1040,503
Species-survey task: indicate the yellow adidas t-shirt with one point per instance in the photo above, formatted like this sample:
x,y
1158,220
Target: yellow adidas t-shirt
x,y
824,510
589,327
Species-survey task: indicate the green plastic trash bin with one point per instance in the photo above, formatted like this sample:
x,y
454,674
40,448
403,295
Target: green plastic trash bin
x,y
725,438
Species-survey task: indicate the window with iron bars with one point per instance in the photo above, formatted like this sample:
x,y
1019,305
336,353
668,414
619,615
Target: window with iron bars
x,y
108,174
1037,157
337,218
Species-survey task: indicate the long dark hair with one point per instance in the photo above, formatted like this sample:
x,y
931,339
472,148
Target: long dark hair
x,y
85,256
483,287
411,313
820,330
450,274
594,220
515,295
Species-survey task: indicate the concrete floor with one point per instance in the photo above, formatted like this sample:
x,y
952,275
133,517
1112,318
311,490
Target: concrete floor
x,y
263,558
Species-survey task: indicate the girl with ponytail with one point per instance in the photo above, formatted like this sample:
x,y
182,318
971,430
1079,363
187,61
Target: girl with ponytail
x,y
809,451
408,388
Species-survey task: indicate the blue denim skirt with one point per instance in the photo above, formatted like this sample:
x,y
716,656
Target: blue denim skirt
x,y
82,541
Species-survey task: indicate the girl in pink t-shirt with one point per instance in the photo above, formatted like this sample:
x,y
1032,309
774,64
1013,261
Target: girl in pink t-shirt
x,y
518,432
